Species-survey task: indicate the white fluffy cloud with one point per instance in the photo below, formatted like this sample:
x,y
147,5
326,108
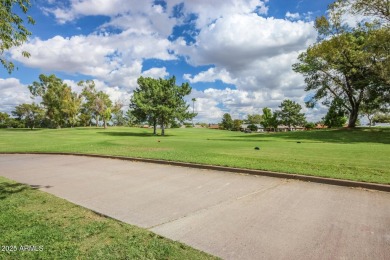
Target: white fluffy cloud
x,y
80,8
243,47
211,75
116,59
237,41
208,11
254,53
293,16
12,93
156,73
78,54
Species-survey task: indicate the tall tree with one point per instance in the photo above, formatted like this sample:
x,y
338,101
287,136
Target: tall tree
x,y
102,106
341,67
71,104
227,121
88,108
143,103
52,90
13,31
352,64
266,118
161,101
290,114
30,114
171,104
269,119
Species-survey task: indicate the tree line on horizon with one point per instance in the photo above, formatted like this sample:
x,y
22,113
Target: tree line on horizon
x,y
155,101
60,106
289,115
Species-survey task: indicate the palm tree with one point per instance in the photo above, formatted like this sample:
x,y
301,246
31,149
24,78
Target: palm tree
x,y
193,109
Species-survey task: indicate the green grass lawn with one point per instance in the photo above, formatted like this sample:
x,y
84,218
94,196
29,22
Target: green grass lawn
x,y
359,154
61,230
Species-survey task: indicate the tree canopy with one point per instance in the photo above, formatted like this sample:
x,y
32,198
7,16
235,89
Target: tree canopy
x,y
64,107
160,101
13,31
227,121
290,114
352,64
30,114
375,8
52,91
270,120
254,119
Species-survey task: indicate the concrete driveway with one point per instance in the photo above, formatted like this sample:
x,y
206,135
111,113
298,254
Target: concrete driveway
x,y
228,215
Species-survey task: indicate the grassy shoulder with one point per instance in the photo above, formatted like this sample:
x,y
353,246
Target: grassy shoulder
x,y
360,154
61,230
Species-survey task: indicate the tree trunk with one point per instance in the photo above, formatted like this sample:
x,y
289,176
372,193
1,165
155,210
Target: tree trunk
x,y
370,119
97,120
353,118
105,123
162,129
154,126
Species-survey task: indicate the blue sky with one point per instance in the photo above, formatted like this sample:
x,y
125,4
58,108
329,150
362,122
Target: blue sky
x,y
237,55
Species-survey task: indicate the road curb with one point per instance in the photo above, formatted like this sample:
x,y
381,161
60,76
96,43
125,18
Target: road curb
x,y
315,179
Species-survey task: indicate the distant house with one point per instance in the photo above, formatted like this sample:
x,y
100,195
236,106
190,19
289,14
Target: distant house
x,y
298,128
320,126
284,128
260,128
213,126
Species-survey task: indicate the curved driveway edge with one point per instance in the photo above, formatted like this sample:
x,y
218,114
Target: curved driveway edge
x,y
308,178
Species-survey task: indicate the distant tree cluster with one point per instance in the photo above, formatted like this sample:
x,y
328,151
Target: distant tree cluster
x,y
289,114
155,102
62,107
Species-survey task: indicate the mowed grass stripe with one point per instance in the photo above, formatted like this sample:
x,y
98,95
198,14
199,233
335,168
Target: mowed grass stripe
x,y
361,154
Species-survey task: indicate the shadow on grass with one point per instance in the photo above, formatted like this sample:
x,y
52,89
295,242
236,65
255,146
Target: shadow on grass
x,y
145,134
7,189
344,135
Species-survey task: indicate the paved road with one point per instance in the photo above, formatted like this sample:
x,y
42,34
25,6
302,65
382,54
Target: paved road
x,y
229,215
